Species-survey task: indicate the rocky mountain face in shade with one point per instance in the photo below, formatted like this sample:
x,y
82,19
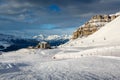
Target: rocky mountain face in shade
x,y
94,24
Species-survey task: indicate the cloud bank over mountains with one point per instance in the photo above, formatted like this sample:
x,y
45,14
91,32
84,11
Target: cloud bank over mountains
x,y
51,14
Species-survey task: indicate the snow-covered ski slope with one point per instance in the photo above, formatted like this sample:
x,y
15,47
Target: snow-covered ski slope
x,y
28,64
96,57
87,52
104,42
109,35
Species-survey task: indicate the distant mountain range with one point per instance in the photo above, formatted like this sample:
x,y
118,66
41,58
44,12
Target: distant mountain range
x,y
11,43
54,40
5,41
51,37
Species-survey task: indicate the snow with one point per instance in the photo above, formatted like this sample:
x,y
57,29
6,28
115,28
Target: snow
x,y
52,37
105,42
96,57
107,35
5,44
91,51
118,13
27,64
5,40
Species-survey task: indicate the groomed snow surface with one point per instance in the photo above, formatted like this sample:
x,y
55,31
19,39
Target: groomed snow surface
x,y
28,64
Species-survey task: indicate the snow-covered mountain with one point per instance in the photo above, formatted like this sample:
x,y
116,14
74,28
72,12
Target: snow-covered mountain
x,y
10,42
98,58
93,25
5,41
51,37
104,42
107,35
54,40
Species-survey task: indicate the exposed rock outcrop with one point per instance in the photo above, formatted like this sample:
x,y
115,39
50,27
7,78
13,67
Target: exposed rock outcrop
x,y
94,24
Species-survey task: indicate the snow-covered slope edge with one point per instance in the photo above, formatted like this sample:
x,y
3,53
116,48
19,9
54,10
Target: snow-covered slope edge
x,y
93,25
99,51
107,35
104,42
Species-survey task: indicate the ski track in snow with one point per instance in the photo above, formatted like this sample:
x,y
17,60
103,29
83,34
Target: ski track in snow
x,y
38,65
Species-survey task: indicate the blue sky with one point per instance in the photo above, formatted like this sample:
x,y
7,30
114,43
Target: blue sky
x,y
33,17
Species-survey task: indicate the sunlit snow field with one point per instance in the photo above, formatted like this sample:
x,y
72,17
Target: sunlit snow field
x,y
29,64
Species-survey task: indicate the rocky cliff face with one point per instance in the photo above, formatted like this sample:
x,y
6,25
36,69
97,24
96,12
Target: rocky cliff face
x,y
94,24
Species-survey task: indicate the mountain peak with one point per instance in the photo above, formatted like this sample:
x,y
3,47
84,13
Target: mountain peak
x,y
108,35
52,37
93,25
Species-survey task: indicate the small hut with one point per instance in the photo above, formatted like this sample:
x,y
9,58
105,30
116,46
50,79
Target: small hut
x,y
43,45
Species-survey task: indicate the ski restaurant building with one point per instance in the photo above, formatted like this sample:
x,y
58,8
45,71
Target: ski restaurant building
x,y
43,45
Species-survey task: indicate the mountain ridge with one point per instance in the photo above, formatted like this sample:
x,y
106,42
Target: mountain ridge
x,y
108,35
93,25
52,37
